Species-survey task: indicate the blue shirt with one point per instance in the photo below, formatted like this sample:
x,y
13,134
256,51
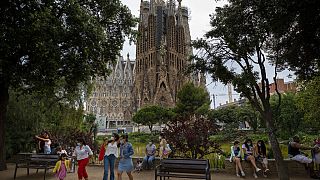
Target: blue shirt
x,y
126,150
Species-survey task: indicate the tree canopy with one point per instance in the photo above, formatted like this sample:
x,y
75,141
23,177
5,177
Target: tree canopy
x,y
308,101
151,115
236,50
53,47
192,100
189,131
295,30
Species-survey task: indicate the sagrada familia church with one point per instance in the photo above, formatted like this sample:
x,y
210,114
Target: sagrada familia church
x,y
155,76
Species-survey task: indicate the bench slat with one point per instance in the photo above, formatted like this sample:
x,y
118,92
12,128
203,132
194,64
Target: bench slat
x,y
183,161
185,166
193,171
182,176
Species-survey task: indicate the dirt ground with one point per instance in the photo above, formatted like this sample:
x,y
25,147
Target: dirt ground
x,y
96,173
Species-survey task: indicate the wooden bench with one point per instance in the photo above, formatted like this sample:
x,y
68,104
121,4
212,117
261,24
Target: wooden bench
x,y
37,161
183,168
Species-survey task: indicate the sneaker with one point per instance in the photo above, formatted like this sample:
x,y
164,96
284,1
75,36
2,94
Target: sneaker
x,y
258,169
242,173
238,175
255,175
266,170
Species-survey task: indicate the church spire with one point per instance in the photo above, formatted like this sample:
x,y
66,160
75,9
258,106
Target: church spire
x,y
152,7
179,13
171,7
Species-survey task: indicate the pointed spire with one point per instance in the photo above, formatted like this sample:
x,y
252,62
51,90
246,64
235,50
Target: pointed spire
x,y
119,69
127,69
152,7
171,7
179,13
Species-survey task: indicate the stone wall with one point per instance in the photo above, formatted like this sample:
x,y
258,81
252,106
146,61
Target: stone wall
x,y
295,168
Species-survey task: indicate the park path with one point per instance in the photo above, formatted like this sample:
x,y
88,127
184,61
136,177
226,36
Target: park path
x,y
96,173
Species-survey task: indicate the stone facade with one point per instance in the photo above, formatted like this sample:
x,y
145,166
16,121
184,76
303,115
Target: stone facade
x,y
163,50
157,74
112,98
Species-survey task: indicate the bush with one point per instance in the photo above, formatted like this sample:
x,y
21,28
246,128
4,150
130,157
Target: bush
x,y
143,137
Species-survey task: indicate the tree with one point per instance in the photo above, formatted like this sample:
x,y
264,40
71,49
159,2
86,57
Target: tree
x,y
288,118
226,115
189,131
54,46
247,114
308,101
232,116
240,37
192,101
28,115
150,115
295,29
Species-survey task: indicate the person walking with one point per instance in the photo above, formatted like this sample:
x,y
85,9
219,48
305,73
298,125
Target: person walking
x,y
61,167
83,153
109,150
125,163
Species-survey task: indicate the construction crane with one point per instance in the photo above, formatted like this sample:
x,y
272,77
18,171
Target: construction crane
x,y
215,95
230,92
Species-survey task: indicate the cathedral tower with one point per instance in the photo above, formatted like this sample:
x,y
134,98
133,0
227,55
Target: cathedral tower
x,y
163,49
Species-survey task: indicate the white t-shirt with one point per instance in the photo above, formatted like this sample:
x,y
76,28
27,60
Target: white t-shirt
x,y
62,152
112,149
248,151
83,152
47,143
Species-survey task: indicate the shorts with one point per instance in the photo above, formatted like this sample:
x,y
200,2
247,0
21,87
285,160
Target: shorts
x,y
302,159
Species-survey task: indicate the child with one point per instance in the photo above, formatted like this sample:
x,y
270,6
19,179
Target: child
x,y
62,166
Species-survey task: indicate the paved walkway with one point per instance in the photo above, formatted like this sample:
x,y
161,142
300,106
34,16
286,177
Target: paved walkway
x,y
96,173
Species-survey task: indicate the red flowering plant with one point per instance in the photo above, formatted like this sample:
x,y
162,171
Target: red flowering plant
x,y
188,133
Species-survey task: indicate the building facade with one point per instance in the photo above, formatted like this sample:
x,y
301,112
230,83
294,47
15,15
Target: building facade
x,y
162,53
283,86
112,100
159,71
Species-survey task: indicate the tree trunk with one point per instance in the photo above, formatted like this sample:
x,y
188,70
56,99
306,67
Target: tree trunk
x,y
150,128
4,100
282,167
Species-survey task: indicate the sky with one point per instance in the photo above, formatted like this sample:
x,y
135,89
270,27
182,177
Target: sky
x,y
199,25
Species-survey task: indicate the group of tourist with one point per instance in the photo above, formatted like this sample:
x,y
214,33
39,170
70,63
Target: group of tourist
x,y
251,153
119,147
295,153
83,153
150,152
109,153
257,153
